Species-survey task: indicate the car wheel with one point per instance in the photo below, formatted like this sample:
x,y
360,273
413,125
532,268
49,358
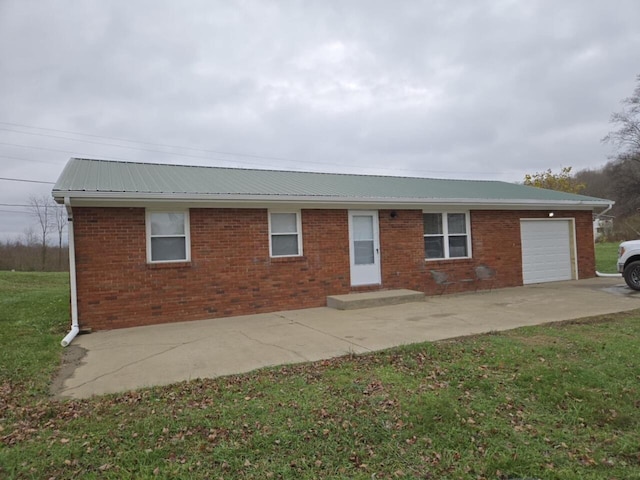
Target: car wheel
x,y
632,275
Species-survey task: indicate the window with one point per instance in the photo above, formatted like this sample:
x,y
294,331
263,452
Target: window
x,y
285,239
446,235
363,240
168,236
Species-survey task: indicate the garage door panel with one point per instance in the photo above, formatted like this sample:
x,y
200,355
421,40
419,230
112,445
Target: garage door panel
x,y
546,251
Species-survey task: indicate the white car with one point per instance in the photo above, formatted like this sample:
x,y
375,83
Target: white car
x,y
629,263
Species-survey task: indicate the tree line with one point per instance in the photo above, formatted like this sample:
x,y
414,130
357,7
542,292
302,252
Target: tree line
x,y
27,257
42,246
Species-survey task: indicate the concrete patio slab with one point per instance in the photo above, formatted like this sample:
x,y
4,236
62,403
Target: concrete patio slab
x,y
120,360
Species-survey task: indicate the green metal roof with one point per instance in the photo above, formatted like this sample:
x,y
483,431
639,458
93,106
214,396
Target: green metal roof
x,y
87,178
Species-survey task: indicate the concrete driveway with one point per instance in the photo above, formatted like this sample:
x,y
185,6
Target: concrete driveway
x,y
120,360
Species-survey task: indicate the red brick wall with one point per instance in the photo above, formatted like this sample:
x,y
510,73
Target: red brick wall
x,y
231,273
402,249
496,241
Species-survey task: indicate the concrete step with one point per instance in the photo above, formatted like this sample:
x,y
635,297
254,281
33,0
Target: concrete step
x,y
353,301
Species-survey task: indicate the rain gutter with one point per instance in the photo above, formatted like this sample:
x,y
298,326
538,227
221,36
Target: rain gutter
x,y
221,198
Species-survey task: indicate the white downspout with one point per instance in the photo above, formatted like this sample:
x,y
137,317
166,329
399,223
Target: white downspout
x,y
75,327
607,275
604,211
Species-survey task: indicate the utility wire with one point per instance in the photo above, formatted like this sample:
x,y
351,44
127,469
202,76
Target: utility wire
x,y
218,152
237,154
27,159
75,153
109,157
129,147
25,180
14,211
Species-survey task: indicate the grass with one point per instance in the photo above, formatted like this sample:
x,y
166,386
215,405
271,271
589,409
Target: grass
x,y
34,312
539,402
606,257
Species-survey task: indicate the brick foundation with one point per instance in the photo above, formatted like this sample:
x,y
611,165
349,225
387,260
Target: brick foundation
x,y
231,273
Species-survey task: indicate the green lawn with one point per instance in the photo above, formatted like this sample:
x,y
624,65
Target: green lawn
x,y
606,257
34,313
555,402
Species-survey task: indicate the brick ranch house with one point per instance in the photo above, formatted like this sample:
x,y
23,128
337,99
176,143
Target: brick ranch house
x,y
154,243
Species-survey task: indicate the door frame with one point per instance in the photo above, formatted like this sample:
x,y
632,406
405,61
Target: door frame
x,y
368,274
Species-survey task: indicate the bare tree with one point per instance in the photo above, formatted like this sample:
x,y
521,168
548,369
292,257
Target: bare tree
x,y
42,210
624,177
626,138
60,223
28,237
597,182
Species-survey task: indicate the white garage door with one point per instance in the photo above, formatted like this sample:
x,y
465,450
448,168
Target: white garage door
x,y
546,250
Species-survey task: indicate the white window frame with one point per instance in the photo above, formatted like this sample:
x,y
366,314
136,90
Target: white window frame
x,y
187,236
445,234
298,232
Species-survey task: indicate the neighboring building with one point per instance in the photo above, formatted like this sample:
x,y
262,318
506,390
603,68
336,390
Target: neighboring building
x,y
166,243
602,226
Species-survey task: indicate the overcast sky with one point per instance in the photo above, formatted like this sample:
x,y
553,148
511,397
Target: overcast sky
x,y
447,89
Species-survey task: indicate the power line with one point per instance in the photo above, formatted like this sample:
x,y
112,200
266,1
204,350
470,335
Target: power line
x,y
37,148
25,159
172,146
14,211
218,152
75,153
122,146
14,205
120,139
25,180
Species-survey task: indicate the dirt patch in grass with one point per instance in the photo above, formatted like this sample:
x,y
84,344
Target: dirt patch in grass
x,y
71,359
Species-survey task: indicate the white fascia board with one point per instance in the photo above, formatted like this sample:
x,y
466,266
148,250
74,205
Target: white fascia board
x,y
250,201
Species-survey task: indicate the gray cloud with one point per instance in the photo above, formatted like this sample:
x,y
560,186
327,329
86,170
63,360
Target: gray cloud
x,y
473,89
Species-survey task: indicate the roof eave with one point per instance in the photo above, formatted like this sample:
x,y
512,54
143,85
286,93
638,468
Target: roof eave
x,y
137,197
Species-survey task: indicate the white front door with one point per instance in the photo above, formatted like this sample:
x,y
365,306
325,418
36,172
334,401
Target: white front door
x,y
364,247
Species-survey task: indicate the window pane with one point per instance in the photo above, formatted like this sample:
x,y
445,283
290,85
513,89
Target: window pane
x,y
168,248
362,227
167,223
432,223
363,252
433,247
456,223
284,245
458,246
284,223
